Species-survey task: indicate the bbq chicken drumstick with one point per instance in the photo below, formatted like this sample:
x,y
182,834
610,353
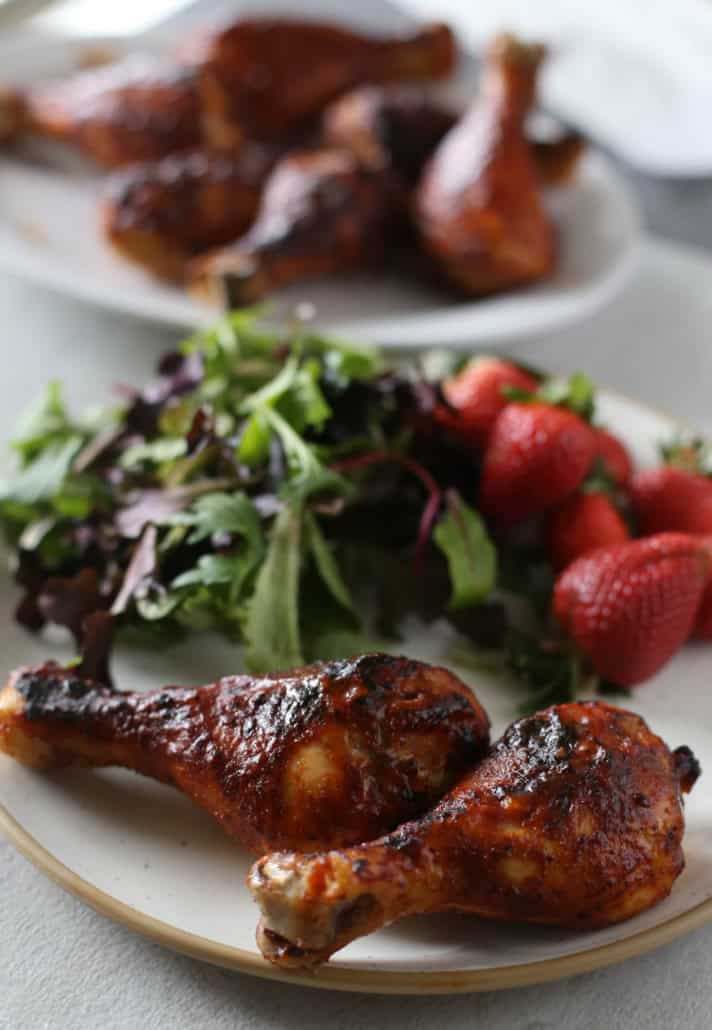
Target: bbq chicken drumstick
x,y
573,819
394,127
136,109
321,212
161,214
264,77
256,78
399,127
327,755
478,205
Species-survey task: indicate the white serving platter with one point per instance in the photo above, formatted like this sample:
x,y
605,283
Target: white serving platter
x,y
49,233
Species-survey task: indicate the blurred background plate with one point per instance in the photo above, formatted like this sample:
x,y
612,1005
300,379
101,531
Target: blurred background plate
x,y
49,233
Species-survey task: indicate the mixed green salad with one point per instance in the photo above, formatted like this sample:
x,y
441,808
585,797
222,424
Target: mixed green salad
x,y
286,489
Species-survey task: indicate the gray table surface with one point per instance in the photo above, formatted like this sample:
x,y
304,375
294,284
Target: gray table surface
x,y
63,966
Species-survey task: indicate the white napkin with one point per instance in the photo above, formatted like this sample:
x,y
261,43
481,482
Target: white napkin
x,y
636,75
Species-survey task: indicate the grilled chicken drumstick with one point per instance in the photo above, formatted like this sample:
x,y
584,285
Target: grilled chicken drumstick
x,y
478,205
262,77
399,127
394,127
161,214
573,819
327,755
321,212
136,109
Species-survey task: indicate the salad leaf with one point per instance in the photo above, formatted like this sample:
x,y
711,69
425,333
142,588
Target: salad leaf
x,y
304,404
270,393
46,423
43,477
253,447
156,506
347,362
308,474
272,624
141,566
222,513
167,448
233,569
472,558
212,569
550,670
326,564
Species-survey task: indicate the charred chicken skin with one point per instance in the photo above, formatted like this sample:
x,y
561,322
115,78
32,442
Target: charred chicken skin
x,y
263,77
324,756
161,214
574,819
321,212
137,109
478,205
395,127
399,127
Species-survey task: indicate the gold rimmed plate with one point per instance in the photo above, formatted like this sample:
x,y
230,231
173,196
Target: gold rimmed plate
x,y
143,855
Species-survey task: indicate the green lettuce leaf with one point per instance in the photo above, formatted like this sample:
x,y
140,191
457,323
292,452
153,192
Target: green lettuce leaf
x,y
222,513
44,476
253,447
471,556
272,624
308,475
326,564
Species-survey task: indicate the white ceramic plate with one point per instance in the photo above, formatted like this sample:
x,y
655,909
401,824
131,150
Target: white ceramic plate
x,y
144,855
49,233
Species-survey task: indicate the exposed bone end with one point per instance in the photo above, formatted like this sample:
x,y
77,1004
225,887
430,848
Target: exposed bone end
x,y
284,953
311,906
14,739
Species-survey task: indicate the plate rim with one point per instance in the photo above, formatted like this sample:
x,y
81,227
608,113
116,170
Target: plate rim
x,y
364,981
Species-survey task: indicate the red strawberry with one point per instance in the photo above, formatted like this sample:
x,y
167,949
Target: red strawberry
x,y
629,607
614,456
583,523
536,456
477,396
669,498
703,626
